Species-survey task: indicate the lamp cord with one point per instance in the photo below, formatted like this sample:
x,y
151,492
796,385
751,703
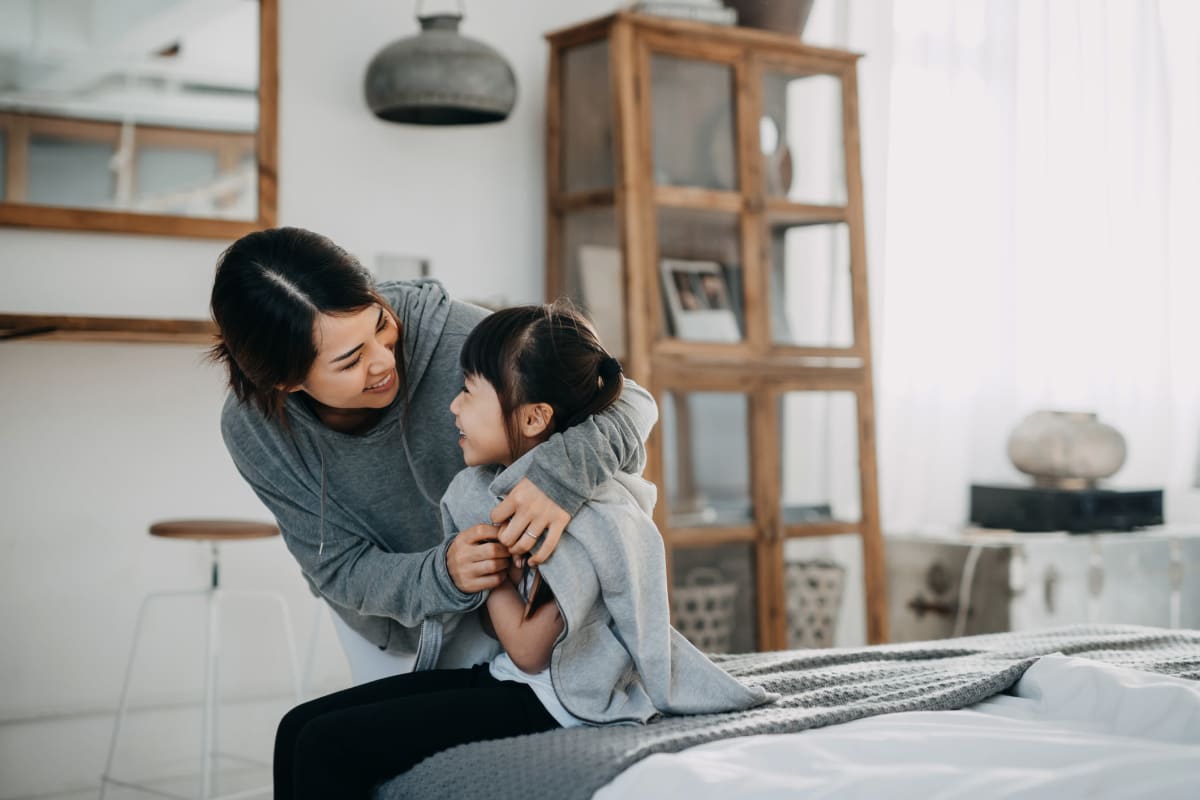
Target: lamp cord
x,y
965,585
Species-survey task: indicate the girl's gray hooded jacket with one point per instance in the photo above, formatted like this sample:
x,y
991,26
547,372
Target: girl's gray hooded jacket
x,y
360,514
618,660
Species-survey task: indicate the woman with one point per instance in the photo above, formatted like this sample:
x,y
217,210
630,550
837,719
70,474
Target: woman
x,y
338,420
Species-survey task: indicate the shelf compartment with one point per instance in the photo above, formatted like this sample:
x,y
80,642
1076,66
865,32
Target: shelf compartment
x,y
588,153
594,275
706,460
693,136
823,591
819,470
700,277
802,138
811,293
714,598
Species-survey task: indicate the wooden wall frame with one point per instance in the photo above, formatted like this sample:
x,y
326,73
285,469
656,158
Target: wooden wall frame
x,y
25,215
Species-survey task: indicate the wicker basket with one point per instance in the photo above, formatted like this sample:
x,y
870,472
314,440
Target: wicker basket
x,y
814,597
703,609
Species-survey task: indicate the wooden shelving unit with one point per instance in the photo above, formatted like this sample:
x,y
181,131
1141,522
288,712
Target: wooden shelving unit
x,y
705,207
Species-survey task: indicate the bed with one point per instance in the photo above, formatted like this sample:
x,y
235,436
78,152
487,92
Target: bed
x,y
1085,711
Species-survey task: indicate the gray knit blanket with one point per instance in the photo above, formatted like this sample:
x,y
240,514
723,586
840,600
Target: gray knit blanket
x,y
818,688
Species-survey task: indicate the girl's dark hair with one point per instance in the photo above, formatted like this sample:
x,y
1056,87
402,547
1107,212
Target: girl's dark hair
x,y
543,354
269,290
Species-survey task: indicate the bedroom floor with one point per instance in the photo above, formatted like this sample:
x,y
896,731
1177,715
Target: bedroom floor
x,y
229,782
160,747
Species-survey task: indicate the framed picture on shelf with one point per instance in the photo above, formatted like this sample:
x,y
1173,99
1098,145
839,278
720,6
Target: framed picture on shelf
x,y
602,295
699,302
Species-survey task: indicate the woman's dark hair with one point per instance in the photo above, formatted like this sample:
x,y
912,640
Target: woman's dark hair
x,y
543,354
269,290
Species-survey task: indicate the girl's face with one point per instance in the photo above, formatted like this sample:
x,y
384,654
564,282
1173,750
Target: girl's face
x,y
356,360
480,421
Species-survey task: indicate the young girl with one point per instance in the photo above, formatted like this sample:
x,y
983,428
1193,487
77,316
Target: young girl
x,y
599,651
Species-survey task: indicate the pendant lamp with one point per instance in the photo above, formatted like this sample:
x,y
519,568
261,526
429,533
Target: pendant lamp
x,y
440,77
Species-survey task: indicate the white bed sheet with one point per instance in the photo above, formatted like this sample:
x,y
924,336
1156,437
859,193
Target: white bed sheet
x,y
1071,728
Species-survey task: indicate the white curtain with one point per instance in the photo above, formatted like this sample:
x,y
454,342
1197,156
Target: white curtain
x,y
1032,173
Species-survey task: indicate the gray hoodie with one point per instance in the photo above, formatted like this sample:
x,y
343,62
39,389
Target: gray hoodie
x,y
618,660
361,513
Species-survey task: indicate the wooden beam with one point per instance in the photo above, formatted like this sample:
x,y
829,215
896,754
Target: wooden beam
x,y
593,198
698,199
52,327
710,537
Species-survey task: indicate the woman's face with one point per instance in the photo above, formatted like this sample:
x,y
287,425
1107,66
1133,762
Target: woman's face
x,y
356,360
480,421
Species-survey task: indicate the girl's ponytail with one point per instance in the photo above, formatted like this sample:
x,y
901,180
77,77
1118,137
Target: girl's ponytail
x,y
609,368
609,384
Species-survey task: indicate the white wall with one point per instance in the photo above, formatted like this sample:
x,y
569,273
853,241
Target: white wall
x,y
99,440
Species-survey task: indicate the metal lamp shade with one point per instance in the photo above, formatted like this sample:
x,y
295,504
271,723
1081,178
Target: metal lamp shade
x,y
440,77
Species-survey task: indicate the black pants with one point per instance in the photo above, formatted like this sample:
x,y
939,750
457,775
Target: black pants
x,y
341,745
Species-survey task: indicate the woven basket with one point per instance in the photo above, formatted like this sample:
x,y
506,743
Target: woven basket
x,y
814,598
703,609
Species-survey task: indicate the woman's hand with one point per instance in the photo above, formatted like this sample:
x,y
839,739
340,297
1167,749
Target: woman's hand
x,y
477,561
530,513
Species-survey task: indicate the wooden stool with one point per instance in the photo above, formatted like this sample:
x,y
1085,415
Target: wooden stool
x,y
215,532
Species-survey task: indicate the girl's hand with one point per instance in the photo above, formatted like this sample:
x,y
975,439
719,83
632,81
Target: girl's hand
x,y
514,572
530,513
477,561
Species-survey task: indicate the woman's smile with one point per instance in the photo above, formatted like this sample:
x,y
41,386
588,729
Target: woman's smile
x,y
384,384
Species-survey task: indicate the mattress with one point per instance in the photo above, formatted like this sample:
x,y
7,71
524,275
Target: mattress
x,y
1070,727
831,688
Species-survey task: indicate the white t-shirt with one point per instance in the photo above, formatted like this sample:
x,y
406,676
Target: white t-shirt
x,y
502,668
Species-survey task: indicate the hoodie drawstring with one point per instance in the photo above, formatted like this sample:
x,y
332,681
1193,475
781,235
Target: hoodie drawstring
x,y
416,473
321,453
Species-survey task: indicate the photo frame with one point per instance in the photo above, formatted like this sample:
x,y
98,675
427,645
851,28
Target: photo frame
x,y
699,301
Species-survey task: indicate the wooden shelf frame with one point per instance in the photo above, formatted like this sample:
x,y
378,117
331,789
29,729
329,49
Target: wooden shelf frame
x,y
758,368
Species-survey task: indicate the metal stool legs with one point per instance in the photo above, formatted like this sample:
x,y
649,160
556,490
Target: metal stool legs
x,y
123,704
212,651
